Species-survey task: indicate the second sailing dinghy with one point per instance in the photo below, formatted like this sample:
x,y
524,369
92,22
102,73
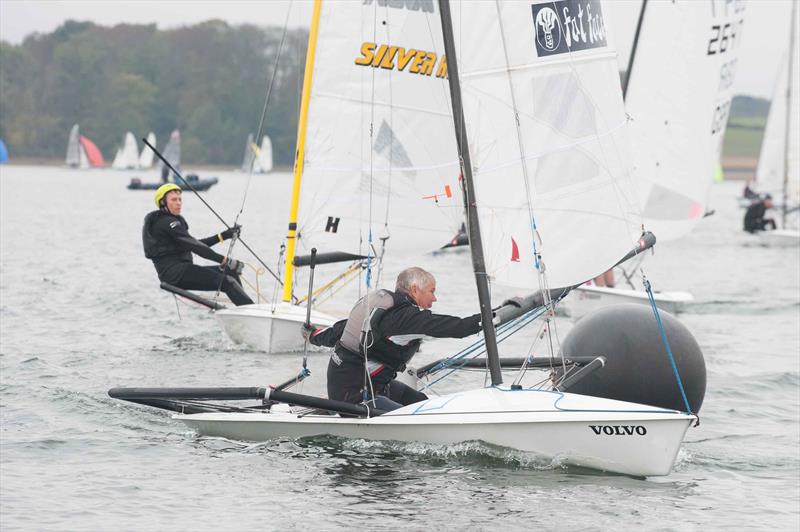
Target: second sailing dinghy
x,y
778,172
554,141
676,129
376,169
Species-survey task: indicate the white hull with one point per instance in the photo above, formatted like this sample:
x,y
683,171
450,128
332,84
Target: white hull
x,y
269,328
578,430
779,238
587,298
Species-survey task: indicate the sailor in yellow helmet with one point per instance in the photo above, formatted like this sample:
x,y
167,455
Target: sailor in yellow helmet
x,y
167,242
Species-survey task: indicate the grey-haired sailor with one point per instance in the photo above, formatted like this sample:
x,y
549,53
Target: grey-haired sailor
x,y
381,335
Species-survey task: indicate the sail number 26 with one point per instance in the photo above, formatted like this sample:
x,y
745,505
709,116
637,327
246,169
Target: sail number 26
x,y
723,37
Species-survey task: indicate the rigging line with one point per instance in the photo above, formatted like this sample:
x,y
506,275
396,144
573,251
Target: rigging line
x,y
264,110
196,193
390,77
665,340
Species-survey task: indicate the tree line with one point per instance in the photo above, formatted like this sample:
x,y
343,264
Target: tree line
x,y
208,80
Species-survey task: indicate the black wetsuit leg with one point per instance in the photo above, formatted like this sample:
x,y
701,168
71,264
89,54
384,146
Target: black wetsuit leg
x,y
345,381
404,394
211,278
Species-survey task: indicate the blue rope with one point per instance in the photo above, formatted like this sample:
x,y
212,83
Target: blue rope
x,y
664,339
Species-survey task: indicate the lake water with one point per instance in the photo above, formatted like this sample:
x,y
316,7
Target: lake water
x,y
81,312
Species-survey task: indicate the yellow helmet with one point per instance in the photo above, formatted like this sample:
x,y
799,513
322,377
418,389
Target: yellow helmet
x,y
162,191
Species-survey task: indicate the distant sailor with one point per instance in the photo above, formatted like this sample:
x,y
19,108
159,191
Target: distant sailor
x,y
167,242
386,328
754,217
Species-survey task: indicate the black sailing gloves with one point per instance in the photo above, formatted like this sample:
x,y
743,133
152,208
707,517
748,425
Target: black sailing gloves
x,y
234,266
231,232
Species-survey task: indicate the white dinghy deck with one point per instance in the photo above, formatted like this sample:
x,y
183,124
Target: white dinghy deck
x,y
588,298
597,433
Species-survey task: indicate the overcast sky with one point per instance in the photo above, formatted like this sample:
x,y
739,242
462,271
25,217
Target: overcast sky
x,y
765,35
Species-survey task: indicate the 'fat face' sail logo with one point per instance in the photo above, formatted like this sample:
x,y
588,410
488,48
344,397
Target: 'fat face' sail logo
x,y
548,32
565,26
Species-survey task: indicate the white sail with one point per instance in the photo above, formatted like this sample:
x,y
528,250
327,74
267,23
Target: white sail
x,y
380,157
118,162
74,149
172,151
249,154
551,178
264,159
127,156
677,126
784,116
146,157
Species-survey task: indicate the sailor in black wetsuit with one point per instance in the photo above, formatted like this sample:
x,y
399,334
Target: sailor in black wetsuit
x,y
167,242
397,323
754,217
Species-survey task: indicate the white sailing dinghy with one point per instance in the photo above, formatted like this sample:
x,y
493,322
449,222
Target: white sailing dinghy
x,y
676,127
778,171
76,155
127,156
257,159
375,148
556,106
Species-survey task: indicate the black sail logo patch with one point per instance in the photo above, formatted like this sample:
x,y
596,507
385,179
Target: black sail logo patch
x,y
568,26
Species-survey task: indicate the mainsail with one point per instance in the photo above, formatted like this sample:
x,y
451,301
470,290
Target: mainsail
x,y
127,156
90,153
379,151
249,154
75,156
779,160
679,92
258,160
545,118
172,153
146,157
264,159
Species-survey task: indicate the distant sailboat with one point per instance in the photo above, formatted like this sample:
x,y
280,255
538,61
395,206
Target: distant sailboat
x,y
172,153
259,160
82,152
778,172
127,156
146,157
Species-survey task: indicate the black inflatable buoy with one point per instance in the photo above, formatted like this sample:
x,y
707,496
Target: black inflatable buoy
x,y
638,367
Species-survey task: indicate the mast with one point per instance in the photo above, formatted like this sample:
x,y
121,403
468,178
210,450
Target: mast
x,y
633,50
473,227
300,152
786,140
